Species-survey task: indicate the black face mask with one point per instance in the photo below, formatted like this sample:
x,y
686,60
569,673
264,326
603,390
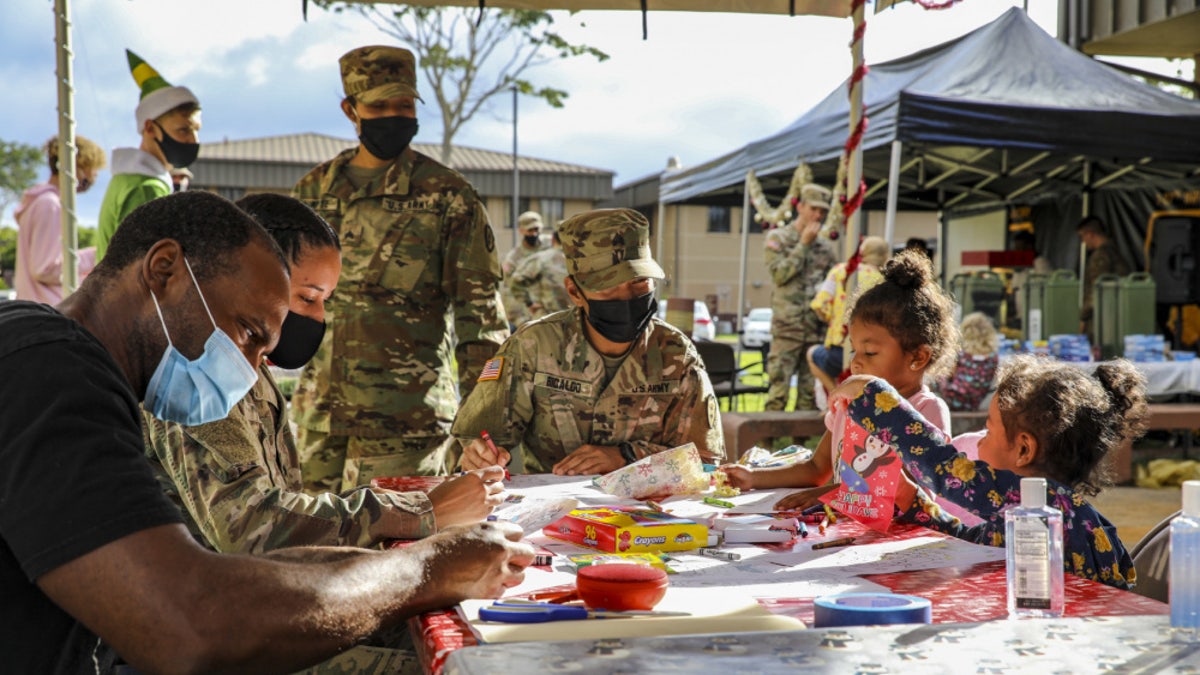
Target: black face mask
x,y
387,137
621,321
299,339
179,155
533,240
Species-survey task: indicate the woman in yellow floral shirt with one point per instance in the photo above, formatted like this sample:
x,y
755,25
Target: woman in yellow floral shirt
x,y
1047,419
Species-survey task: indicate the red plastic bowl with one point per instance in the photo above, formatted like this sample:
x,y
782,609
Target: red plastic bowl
x,y
620,586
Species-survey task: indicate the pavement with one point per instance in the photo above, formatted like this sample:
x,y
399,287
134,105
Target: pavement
x,y
1135,511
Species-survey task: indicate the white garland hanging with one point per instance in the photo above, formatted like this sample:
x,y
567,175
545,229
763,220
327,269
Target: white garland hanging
x,y
777,215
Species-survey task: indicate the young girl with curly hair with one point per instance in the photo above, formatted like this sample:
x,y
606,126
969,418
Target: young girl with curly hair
x,y
1047,419
975,371
901,330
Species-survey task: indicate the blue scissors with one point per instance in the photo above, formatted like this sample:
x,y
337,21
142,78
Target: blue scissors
x,y
541,612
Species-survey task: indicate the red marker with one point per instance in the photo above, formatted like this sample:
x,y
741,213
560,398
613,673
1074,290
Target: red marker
x,y
495,451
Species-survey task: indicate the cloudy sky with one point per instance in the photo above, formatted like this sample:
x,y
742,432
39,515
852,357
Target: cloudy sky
x,y
703,84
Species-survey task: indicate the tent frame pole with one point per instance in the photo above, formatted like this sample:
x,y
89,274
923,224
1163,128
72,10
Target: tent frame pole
x,y
741,303
893,193
66,146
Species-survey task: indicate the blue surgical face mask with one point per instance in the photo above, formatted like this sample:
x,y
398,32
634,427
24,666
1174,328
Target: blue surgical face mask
x,y
201,391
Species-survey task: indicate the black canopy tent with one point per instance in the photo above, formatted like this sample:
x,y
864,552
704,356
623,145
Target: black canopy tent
x,y
1004,114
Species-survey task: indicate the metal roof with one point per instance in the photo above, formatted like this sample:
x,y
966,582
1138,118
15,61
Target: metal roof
x,y
311,149
275,163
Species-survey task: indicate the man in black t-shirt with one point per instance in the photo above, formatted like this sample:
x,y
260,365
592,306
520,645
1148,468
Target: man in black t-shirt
x,y
90,549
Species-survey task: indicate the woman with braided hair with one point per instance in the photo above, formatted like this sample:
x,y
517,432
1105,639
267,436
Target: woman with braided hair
x,y
239,478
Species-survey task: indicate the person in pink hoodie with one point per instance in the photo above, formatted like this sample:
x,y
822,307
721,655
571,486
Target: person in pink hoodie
x,y
38,275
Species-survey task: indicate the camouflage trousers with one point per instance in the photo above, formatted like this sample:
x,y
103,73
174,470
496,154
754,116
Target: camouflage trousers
x,y
787,358
369,661
337,463
389,651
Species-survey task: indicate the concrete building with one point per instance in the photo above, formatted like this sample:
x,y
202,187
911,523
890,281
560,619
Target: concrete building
x,y
234,168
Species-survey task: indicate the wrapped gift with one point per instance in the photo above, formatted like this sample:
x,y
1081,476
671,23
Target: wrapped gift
x,y
677,471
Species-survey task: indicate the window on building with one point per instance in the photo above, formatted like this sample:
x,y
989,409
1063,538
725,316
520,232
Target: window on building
x,y
551,210
719,218
756,227
522,207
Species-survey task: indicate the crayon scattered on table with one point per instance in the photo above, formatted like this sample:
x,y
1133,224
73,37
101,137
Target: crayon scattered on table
x,y
719,554
803,530
713,501
844,541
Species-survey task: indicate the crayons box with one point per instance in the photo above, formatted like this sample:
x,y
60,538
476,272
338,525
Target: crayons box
x,y
628,529
651,559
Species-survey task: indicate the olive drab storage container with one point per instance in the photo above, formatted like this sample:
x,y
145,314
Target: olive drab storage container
x,y
1050,303
978,292
1123,306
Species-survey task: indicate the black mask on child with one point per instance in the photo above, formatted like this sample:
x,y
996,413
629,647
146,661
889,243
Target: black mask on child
x,y
299,339
621,321
179,155
387,137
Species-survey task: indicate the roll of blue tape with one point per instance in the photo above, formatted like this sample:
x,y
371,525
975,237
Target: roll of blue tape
x,y
870,609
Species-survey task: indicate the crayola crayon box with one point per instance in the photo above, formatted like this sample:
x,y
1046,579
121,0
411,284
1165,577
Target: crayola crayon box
x,y
628,529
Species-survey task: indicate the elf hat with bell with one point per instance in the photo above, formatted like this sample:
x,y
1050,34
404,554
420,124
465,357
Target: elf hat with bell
x,y
158,96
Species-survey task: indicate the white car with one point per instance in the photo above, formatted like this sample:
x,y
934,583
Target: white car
x,y
703,327
756,329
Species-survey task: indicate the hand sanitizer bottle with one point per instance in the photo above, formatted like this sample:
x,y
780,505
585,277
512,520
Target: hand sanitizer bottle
x,y
1185,567
1033,553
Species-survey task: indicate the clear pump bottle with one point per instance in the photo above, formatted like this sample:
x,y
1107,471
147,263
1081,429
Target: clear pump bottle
x,y
1185,567
1033,553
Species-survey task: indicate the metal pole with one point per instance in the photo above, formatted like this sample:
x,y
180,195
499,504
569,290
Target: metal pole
x,y
741,305
893,195
1086,208
660,226
66,146
516,198
856,160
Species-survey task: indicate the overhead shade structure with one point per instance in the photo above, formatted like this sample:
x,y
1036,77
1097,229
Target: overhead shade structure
x,y
980,118
836,8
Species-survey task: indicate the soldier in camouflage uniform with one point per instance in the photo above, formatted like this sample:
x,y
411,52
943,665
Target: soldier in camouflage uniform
x,y
529,224
537,283
798,259
1102,258
591,389
379,396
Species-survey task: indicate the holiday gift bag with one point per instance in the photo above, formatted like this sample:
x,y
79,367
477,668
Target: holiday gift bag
x,y
867,469
671,472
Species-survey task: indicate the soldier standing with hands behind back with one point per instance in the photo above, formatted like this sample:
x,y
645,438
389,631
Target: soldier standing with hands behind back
x,y
798,259
379,396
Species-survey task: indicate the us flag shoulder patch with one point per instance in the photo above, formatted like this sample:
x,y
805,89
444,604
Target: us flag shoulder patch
x,y
491,369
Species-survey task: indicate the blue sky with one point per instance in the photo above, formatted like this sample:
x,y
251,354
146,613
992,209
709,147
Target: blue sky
x,y
703,84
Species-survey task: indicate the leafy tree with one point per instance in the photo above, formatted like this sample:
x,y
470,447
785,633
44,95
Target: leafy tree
x,y
19,164
8,251
467,58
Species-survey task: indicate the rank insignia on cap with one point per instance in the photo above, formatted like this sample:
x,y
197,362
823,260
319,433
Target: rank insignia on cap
x,y
492,369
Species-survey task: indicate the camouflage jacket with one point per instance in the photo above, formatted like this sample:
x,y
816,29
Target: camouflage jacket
x,y
539,280
1104,260
238,480
548,395
514,303
416,250
797,272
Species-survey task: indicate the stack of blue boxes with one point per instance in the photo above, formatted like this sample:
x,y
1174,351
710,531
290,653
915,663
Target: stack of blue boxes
x,y
1145,348
1070,348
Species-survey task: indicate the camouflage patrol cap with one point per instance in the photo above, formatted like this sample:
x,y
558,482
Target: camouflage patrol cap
x,y
815,195
529,219
375,73
607,247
